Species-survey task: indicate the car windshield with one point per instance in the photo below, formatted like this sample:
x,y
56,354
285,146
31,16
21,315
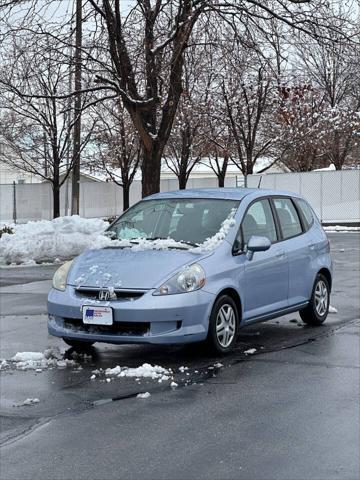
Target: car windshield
x,y
191,221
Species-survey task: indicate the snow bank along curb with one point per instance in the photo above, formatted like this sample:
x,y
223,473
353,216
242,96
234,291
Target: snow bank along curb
x,y
340,228
45,241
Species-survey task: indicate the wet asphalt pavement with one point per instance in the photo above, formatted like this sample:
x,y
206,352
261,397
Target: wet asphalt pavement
x,y
289,411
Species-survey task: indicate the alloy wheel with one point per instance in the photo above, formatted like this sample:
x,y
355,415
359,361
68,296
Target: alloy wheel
x,y
225,325
321,298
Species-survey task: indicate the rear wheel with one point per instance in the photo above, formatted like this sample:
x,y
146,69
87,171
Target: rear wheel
x,y
317,310
78,345
223,325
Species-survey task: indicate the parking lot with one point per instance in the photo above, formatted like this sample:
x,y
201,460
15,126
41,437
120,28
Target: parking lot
x,y
284,404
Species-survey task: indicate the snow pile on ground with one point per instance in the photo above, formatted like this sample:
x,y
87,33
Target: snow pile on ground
x,y
44,241
340,228
146,370
39,361
333,309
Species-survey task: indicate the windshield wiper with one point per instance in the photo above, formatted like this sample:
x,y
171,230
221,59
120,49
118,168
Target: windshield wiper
x,y
191,244
156,238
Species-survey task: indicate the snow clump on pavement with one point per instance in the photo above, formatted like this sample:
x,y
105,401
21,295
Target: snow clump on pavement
x,y
3,364
39,361
251,351
28,402
144,371
143,395
333,309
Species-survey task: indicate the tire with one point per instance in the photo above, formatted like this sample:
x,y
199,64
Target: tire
x,y
78,345
317,310
223,326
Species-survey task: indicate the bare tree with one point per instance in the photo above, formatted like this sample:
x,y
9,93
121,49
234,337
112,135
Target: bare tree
x,y
36,125
148,77
331,66
299,116
247,97
185,145
139,55
118,149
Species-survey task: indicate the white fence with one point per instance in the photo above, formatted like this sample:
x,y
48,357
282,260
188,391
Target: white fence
x,y
335,196
97,199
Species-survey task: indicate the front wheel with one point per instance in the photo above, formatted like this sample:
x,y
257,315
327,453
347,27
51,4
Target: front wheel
x,y
317,310
223,325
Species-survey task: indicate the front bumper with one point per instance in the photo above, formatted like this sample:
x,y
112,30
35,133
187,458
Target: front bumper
x,y
171,319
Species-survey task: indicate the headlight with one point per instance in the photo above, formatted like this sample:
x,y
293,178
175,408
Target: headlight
x,y
187,280
60,276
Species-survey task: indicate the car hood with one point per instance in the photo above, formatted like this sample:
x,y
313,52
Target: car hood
x,y
128,269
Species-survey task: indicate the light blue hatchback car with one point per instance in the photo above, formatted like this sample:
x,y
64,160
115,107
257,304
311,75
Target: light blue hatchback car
x,y
193,266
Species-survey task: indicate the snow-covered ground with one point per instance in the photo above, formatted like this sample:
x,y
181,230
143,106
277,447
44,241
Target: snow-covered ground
x,y
340,228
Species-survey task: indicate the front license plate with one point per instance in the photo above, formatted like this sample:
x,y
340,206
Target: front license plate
x,y
97,315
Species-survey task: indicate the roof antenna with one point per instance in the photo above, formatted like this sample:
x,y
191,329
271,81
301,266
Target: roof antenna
x,y
260,181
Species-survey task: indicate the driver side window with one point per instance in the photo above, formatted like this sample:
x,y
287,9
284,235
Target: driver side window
x,y
258,221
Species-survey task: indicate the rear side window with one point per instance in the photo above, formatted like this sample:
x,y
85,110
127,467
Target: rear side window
x,y
259,221
306,211
288,217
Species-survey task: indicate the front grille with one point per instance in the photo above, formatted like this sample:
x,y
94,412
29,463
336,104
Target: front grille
x,y
120,294
117,328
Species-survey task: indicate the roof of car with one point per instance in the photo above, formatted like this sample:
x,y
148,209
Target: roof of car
x,y
220,193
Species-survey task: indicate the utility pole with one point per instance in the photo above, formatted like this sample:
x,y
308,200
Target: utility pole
x,y
75,197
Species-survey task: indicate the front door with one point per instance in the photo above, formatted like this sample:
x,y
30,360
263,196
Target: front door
x,y
266,275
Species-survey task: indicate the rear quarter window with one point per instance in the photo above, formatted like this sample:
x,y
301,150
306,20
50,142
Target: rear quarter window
x,y
306,211
288,217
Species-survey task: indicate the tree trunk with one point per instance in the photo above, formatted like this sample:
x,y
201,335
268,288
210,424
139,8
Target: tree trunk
x,y
126,196
221,181
56,199
182,181
150,170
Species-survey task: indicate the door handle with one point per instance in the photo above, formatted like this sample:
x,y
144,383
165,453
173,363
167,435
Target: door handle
x,y
280,254
312,246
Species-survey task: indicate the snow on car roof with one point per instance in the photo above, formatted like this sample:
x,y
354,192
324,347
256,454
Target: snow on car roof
x,y
220,193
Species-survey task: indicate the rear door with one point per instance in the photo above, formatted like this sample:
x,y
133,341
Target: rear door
x,y
266,274
296,245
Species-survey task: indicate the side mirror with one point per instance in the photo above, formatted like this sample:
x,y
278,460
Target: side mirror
x,y
257,244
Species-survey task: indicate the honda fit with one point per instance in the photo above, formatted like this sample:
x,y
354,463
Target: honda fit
x,y
194,266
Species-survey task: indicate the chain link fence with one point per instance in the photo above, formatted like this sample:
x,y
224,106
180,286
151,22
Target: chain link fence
x,y
335,196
